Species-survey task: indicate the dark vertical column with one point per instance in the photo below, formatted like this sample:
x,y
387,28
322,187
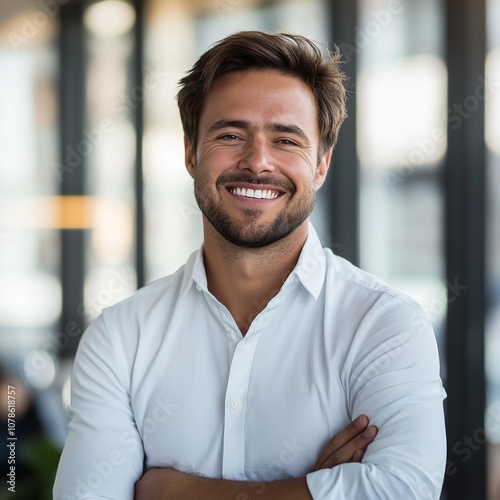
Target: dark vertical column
x,y
138,69
342,182
72,124
464,179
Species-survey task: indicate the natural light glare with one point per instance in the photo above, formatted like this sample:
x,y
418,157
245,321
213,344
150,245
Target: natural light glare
x,y
40,369
35,292
112,237
400,119
66,393
46,212
105,287
492,93
109,18
17,124
169,200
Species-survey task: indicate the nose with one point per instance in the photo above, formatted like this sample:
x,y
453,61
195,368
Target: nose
x,y
257,157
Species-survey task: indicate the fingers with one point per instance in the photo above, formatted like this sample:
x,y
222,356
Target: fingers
x,y
358,456
347,445
340,439
346,453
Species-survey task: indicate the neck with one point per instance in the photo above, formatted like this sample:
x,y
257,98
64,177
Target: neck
x,y
246,279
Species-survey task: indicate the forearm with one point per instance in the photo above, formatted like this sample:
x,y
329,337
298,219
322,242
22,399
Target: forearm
x,y
160,484
348,445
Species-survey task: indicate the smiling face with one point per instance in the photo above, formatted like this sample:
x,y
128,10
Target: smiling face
x,y
256,167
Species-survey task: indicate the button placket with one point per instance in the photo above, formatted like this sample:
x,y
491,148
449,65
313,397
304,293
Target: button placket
x,y
233,460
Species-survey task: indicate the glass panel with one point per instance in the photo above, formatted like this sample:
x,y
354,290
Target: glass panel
x,y
30,215
401,141
492,340
173,227
108,147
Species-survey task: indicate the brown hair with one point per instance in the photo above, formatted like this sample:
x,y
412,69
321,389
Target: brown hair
x,y
289,54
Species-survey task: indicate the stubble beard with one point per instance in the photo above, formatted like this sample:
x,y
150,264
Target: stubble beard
x,y
249,233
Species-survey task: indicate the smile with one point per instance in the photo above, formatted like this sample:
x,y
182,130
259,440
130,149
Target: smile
x,y
266,194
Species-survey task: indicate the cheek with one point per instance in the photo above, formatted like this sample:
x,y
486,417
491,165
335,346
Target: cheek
x,y
205,177
306,180
215,162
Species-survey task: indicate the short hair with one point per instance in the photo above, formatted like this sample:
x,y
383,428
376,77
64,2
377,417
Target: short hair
x,y
290,54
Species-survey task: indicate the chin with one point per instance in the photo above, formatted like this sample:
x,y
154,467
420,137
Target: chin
x,y
256,239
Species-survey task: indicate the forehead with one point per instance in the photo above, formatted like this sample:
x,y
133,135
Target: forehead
x,y
260,96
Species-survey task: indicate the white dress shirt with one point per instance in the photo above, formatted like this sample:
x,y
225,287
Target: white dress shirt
x,y
165,379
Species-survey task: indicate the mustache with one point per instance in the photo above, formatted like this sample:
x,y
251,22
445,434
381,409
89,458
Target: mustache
x,y
230,177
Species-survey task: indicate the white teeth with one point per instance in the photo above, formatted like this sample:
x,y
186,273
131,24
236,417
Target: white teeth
x,y
255,193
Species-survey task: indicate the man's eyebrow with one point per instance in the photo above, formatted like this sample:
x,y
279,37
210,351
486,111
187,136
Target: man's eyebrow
x,y
289,129
228,123
273,127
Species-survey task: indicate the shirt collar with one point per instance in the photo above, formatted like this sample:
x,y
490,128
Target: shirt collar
x,y
310,268
194,273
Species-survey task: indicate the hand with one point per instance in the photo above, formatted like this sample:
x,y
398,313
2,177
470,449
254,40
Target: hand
x,y
348,445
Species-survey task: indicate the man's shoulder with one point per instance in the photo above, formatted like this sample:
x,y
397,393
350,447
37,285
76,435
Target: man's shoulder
x,y
380,314
366,287
341,269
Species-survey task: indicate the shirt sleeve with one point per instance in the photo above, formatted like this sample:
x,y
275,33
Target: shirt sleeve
x,y
103,454
391,374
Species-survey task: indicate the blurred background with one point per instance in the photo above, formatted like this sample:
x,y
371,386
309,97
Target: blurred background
x,y
95,200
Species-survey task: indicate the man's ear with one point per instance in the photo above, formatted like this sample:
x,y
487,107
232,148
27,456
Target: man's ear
x,y
189,156
322,169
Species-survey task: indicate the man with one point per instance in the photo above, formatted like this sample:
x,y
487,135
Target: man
x,y
229,378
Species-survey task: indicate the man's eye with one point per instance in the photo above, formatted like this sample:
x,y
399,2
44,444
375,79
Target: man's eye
x,y
231,137
286,142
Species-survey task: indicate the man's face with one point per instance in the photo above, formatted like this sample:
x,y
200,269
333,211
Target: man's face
x,y
255,167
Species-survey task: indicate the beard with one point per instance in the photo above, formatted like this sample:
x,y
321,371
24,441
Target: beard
x,y
249,233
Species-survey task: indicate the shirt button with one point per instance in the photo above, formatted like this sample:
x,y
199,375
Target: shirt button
x,y
235,404
198,287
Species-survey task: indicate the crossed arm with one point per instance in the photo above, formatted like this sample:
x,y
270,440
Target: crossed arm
x,y
393,379
348,445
